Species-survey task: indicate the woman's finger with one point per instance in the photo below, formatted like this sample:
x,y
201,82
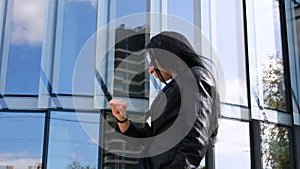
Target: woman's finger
x,y
122,111
119,108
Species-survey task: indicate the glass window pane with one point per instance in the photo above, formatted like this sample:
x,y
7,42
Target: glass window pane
x,y
181,9
230,49
112,160
21,139
181,18
26,38
232,149
69,144
130,7
266,55
78,25
130,78
275,146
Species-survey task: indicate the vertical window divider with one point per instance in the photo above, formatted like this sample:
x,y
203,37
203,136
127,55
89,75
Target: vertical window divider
x,y
46,139
5,39
48,54
101,151
104,61
287,80
253,124
291,65
255,146
293,60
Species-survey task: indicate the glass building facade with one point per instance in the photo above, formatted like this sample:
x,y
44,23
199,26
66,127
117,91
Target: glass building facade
x,y
53,113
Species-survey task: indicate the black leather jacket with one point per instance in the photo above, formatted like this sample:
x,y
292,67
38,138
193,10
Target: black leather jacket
x,y
196,107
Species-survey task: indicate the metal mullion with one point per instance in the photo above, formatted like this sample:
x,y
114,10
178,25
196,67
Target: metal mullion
x,y
46,139
4,42
101,150
253,124
294,132
295,140
294,153
255,146
48,54
285,53
254,143
2,28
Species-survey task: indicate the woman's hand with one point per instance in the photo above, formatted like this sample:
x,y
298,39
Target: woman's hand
x,y
119,109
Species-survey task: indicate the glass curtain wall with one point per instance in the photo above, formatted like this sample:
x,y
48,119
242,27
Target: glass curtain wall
x,y
268,83
51,98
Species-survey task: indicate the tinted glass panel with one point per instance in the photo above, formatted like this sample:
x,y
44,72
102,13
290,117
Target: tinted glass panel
x,y
112,160
21,139
78,25
69,144
181,18
233,146
230,49
275,146
266,54
25,47
182,9
130,78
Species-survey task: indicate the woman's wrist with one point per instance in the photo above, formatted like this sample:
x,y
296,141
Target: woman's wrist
x,y
120,117
122,121
123,127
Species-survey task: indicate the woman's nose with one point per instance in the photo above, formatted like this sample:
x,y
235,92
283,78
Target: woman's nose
x,y
151,70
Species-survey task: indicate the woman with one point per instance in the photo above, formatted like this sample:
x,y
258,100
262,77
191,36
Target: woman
x,y
190,97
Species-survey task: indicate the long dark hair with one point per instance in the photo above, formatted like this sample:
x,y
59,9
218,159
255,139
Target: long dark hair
x,y
173,52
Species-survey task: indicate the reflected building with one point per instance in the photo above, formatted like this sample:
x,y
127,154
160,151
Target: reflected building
x,y
35,167
131,77
6,167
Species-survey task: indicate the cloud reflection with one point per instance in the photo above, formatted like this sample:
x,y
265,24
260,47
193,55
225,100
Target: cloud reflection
x,y
28,22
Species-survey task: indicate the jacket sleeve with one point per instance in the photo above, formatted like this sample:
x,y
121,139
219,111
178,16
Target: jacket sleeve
x,y
135,132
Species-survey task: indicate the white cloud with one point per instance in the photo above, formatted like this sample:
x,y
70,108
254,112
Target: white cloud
x,y
28,22
19,160
91,2
76,157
